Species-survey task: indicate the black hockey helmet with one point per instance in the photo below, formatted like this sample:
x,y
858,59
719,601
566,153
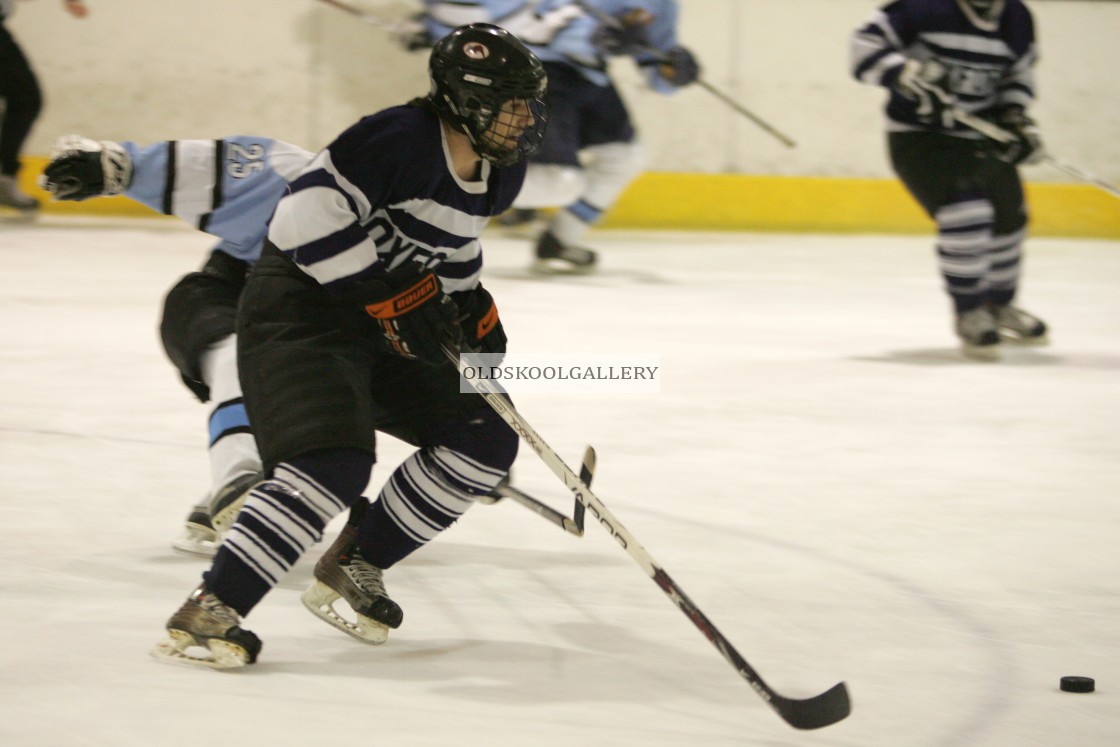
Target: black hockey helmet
x,y
488,84
983,14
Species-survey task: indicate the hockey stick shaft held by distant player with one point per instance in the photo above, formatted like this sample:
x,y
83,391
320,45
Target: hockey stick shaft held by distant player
x,y
995,132
606,18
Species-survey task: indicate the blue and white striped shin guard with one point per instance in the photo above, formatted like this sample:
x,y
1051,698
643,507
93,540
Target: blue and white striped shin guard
x,y
964,238
282,518
1004,263
427,493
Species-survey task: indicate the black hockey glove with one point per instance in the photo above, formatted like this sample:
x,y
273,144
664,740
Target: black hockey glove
x,y
926,83
81,168
1027,145
482,329
626,37
413,314
680,67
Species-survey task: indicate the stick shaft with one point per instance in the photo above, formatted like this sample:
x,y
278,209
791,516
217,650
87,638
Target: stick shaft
x,y
812,713
1000,135
606,18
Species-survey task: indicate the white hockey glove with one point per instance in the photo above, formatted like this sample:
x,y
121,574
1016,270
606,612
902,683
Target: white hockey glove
x,y
925,82
81,168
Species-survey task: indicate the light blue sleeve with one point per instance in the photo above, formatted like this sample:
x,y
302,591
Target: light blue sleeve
x,y
573,44
227,188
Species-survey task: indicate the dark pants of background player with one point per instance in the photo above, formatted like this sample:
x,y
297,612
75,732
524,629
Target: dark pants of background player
x,y
938,169
580,115
23,101
199,311
315,381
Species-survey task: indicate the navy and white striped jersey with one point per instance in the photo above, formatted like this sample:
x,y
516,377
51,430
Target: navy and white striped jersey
x,y
987,68
561,30
383,193
227,188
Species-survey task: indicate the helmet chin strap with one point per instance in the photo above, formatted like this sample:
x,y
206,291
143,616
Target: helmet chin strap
x,y
989,21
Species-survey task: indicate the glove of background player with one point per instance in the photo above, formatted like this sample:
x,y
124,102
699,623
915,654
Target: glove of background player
x,y
413,314
679,67
412,34
81,168
482,329
925,82
1027,145
626,37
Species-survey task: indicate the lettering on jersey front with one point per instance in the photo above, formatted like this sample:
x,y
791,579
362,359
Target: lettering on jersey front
x,y
973,81
391,243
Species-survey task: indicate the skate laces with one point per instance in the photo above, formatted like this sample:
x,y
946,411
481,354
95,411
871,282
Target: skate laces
x,y
367,577
974,324
1016,319
215,607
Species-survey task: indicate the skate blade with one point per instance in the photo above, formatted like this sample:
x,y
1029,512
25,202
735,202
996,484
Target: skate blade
x,y
320,598
984,353
15,215
198,543
1015,339
223,654
559,267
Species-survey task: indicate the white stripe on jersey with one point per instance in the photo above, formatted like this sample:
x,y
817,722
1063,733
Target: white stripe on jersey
x,y
287,160
443,217
195,178
970,43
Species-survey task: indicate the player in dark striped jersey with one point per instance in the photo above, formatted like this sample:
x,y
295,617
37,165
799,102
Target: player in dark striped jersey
x,y
372,263
937,58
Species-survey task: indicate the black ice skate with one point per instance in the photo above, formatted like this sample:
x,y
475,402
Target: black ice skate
x,y
227,502
200,539
979,334
1016,325
342,573
204,623
553,256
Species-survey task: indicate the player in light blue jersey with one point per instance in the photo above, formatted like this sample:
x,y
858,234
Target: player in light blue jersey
x,y
227,188
591,152
370,268
937,59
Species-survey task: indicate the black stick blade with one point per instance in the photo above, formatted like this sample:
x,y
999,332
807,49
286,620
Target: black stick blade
x,y
816,712
586,472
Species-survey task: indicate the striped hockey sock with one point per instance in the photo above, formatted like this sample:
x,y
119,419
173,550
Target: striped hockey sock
x,y
425,495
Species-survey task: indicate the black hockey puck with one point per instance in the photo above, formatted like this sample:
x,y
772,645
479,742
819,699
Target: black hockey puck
x,y
1078,684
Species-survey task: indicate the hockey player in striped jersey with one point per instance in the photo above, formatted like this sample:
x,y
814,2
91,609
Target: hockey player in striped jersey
x,y
592,152
371,266
936,58
227,188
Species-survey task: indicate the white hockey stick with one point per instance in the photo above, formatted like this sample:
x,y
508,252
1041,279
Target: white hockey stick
x,y
1000,135
811,713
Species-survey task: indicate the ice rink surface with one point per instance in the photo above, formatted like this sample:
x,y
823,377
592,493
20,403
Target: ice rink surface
x,y
822,473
